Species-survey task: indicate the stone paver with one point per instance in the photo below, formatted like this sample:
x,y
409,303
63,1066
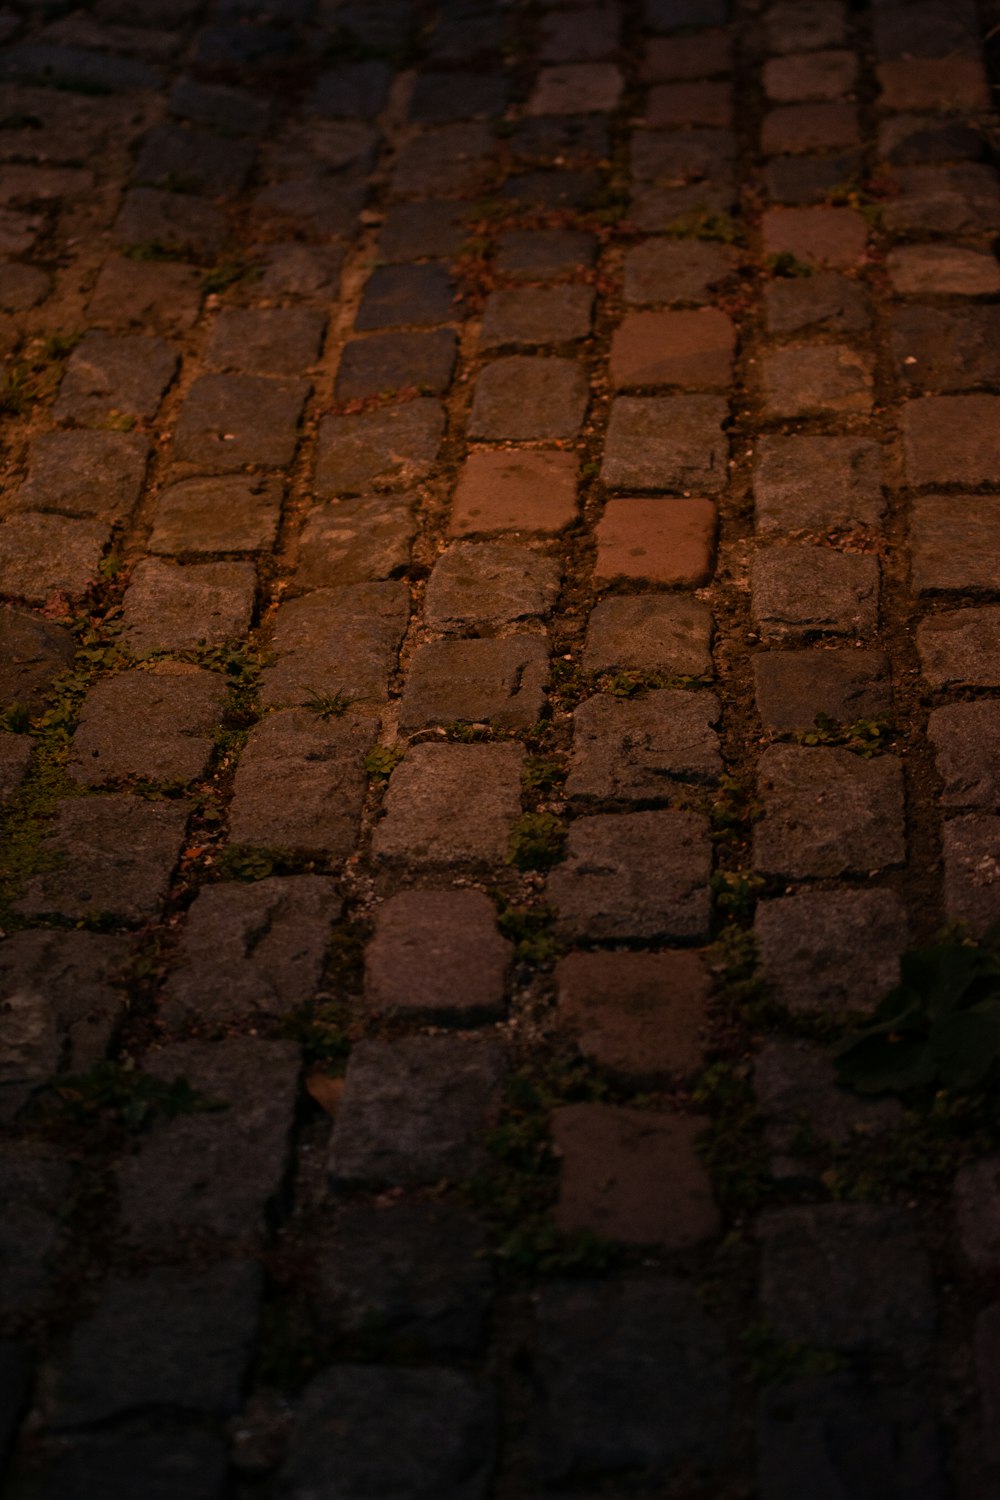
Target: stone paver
x,y
831,950
229,421
155,725
437,954
520,398
355,541
633,749
817,483
802,589
650,633
336,641
828,812
499,682
450,805
510,490
489,582
793,688
394,443
173,608
666,443
667,541
230,513
640,1014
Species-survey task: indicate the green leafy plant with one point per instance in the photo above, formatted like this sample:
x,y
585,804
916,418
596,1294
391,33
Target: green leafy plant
x,y
866,737
702,224
129,1097
327,705
537,841
529,928
382,760
787,264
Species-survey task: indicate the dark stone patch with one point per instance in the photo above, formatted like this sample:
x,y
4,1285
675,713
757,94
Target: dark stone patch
x,y
394,444
266,340
109,373
188,160
412,231
396,361
230,421
173,221
338,640
439,98
353,91
419,296
97,475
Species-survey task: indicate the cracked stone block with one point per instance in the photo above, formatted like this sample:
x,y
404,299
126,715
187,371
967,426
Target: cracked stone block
x,y
148,295
397,361
817,483
416,1110
37,1194
230,421
213,1172
94,475
411,231
794,687
637,749
828,812
667,443
489,583
693,349
173,606
649,633
292,269
819,235
33,653
185,159
393,444
339,640
251,950
663,270
525,397
157,725
416,1272
138,1464
537,254
355,541
972,871
450,161
418,296
437,954
111,856
830,951
230,513
173,221
668,541
634,875
266,340
634,1375
804,588
234,111
825,302
938,349
955,542
826,1280
961,648
953,270
536,315
443,1426
815,379
206,1322
642,1015
966,739
110,373
515,490
319,763
451,805
15,753
499,681
44,556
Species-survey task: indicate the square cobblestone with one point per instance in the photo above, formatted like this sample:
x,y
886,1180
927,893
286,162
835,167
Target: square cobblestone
x,y
171,220
910,140
828,812
536,315
685,103
235,110
937,349
825,302
815,126
496,681
805,25
800,181
944,200
961,648
339,640
823,952
437,956
663,270
938,83
576,89
667,541
317,206
396,296
412,231
634,875
524,397
966,740
296,270
954,270
172,607
817,483
972,872
147,295
814,379
536,254
952,439
666,443
84,474
823,236
397,361
515,490
44,556
110,374
394,444
802,589
33,652
266,340
355,541
955,543
438,98
451,161
692,349
489,583
810,75
690,55
235,513
635,750
794,687
591,33
650,633
182,158
643,1015
450,805
155,725
231,421
355,90
666,157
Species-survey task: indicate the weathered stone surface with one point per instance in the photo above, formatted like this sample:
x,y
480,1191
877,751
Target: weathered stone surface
x,y
416,1272
810,180
813,379
156,725
587,34
171,220
536,315
480,583
148,295
292,269
810,75
443,1427
822,236
23,287
392,444
691,349
316,205
813,126
666,443
673,105
77,68
827,1281
961,648
536,254
636,749
450,161
497,681
576,89
46,556
952,439
112,856
206,1322
663,270
656,210
355,541
236,111
111,373
415,296
562,140
670,156
804,25
649,633
451,805
412,230
229,421
828,812
339,640
37,1192
794,687
230,513
353,90
416,1110
175,1464
33,652
172,607
515,490
668,541
437,954
825,302
319,764
634,1376
212,1173
940,349
954,270
972,871
643,1015
634,875
524,397
966,738
817,483
97,475
698,54
943,200
397,361
955,543
251,950
802,589
266,340
194,161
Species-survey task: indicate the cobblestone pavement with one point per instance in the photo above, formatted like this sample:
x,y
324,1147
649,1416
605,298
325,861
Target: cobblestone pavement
x,y
500,540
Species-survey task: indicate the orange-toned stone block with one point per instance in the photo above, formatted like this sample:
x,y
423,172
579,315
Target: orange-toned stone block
x,y
526,489
825,236
669,540
641,1014
692,349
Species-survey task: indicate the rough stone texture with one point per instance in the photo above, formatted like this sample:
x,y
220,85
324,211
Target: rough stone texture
x,y
443,1426
805,25
955,543
813,379
266,340
825,302
939,349
976,1212
589,33
296,270
633,1175
823,236
634,1376
440,97
909,139
44,557
355,541
944,200
814,126
114,373
338,640
649,633
38,1190
510,490
206,1322
198,161
803,589
824,952
952,439
682,104
416,1110
664,157
669,541
395,296
817,483
233,110
391,444
97,475
966,738
112,856
416,1272
437,954
972,872
636,749
155,725
576,89
536,315
168,607
643,1015
412,230
230,421
809,75
139,1464
251,950
954,270
314,206
489,583
353,90
634,875
450,805
671,443
450,161
319,764
961,648
523,397
173,220
535,254
691,349
662,270
805,180
231,513
33,652
828,812
23,287
212,1173
794,687
500,681
397,361
827,1281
